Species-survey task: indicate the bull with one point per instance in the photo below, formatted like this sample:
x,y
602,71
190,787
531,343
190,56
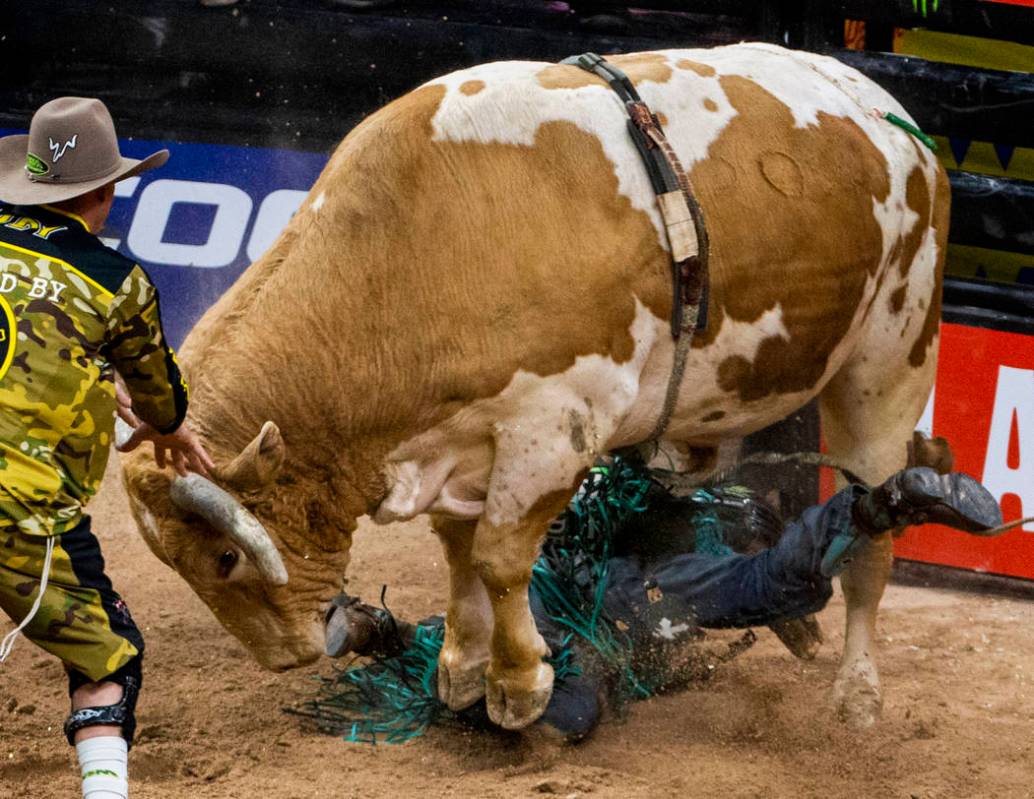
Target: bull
x,y
472,305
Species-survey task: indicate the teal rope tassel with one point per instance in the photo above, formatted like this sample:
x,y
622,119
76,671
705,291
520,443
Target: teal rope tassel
x,y
394,700
709,539
579,554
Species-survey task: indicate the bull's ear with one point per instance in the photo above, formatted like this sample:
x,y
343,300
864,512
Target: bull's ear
x,y
258,463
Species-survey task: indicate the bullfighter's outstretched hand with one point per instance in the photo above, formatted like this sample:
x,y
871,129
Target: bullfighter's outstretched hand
x,y
182,447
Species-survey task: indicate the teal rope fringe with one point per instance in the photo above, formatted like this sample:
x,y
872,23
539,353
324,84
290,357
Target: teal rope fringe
x,y
579,554
709,537
390,700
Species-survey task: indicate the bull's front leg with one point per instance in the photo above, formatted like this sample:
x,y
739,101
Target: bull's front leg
x,y
539,462
468,619
518,682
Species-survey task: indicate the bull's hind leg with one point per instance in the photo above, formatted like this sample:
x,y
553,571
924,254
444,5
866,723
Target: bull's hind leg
x,y
468,619
518,682
871,406
868,412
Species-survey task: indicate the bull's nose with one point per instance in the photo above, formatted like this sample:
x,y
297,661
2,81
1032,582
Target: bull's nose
x,y
296,650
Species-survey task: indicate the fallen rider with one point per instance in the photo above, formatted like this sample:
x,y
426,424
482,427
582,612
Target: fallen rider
x,y
628,576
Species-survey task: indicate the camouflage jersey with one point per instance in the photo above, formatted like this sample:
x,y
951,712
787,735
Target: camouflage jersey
x,y
72,311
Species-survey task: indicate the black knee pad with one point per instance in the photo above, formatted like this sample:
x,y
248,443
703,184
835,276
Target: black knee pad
x,y
121,714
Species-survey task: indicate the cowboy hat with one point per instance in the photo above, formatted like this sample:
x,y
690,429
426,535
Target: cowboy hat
x,y
71,148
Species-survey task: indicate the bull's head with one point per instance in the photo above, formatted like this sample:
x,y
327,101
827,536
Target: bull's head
x,y
256,556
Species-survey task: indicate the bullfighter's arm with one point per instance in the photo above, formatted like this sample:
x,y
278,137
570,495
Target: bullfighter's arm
x,y
137,348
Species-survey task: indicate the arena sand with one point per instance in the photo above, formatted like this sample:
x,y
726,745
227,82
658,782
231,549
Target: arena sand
x,y
958,721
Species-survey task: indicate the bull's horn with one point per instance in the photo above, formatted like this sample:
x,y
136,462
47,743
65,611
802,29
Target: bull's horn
x,y
258,463
199,495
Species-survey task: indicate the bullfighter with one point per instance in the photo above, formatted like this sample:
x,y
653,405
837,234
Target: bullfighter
x,y
73,313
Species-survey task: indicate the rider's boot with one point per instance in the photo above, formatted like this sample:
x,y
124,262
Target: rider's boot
x,y
914,496
921,495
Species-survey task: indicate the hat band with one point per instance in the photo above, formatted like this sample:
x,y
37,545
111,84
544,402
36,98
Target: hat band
x,y
34,165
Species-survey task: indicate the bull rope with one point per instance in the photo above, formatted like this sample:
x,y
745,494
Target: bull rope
x,y
1004,528
680,481
684,225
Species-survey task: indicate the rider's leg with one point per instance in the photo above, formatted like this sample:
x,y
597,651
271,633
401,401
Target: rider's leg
x,y
792,578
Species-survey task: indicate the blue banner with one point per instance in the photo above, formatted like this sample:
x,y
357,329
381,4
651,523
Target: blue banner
x,y
196,223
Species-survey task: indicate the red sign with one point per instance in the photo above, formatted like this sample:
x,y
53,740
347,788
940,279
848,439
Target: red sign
x,y
983,403
1013,2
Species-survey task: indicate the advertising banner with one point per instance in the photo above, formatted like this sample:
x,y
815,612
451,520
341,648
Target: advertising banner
x,y
1003,159
983,403
196,223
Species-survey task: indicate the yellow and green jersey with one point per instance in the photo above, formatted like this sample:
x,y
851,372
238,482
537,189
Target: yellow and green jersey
x,y
72,312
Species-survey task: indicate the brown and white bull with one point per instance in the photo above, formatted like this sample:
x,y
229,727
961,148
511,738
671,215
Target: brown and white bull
x,y
472,305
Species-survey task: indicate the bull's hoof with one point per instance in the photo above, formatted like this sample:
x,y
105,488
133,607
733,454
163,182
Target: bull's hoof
x,y
517,698
859,701
802,636
460,683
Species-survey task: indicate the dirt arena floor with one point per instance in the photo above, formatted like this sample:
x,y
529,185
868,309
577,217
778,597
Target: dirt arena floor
x,y
958,674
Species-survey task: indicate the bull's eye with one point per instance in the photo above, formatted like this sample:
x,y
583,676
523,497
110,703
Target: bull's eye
x,y
226,562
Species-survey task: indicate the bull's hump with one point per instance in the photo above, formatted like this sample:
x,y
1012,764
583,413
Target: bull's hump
x,y
791,214
511,103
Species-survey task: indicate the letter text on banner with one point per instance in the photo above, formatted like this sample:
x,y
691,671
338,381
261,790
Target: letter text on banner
x,y
1009,463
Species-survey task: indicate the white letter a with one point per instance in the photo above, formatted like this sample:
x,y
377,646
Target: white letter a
x,y
1014,398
